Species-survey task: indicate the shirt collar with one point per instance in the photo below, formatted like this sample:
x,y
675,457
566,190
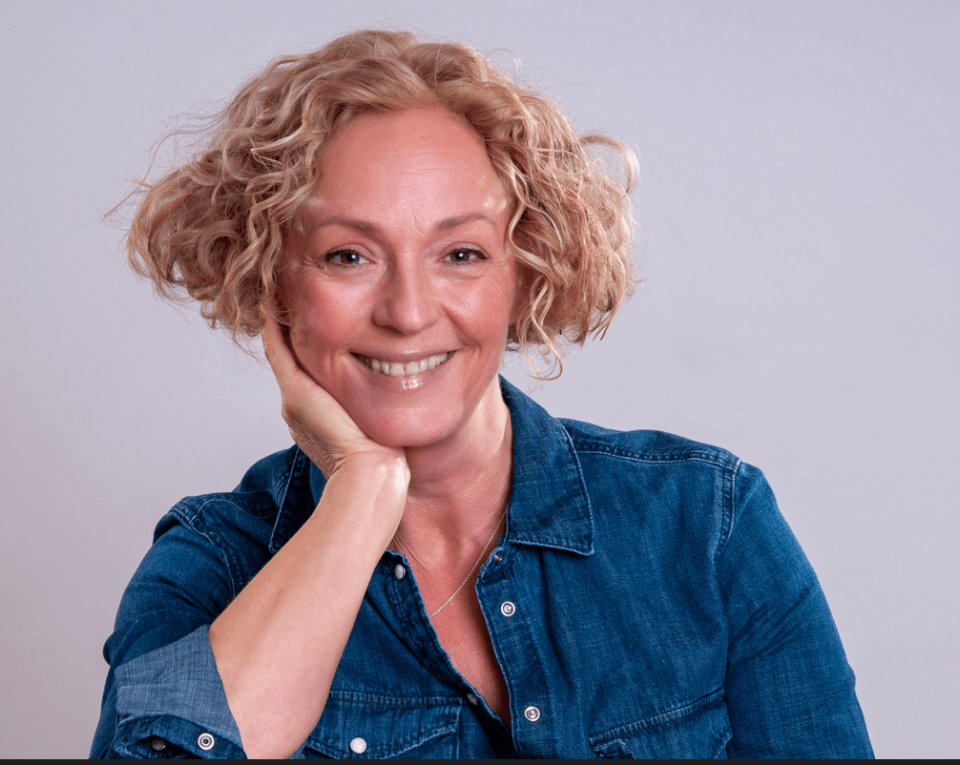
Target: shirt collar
x,y
549,505
296,497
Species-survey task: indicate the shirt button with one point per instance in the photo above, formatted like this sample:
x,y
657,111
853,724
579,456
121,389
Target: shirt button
x,y
205,741
507,608
399,571
497,557
358,745
472,699
158,744
532,714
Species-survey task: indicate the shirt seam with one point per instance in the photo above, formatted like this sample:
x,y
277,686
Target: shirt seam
x,y
677,713
716,460
729,511
194,522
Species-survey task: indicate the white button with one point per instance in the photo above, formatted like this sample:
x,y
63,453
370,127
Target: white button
x,y
158,744
205,741
497,557
472,699
358,745
399,571
532,714
507,608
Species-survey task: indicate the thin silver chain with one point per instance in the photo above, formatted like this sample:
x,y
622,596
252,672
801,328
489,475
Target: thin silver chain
x,y
475,565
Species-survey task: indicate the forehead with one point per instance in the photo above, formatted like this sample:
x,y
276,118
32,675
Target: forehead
x,y
425,162
422,128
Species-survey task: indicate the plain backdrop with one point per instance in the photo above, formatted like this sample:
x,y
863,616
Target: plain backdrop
x,y
801,265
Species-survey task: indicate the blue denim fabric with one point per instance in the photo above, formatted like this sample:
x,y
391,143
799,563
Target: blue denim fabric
x,y
659,607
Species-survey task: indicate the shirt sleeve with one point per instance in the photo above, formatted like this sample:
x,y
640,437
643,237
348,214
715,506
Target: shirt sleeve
x,y
163,696
790,691
172,699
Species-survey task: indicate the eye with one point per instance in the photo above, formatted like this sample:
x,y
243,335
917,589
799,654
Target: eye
x,y
463,255
344,258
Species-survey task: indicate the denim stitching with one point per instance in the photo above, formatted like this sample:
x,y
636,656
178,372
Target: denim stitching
x,y
659,719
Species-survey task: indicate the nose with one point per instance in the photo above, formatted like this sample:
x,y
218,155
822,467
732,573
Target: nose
x,y
407,302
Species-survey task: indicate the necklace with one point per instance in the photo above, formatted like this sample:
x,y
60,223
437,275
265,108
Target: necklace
x,y
475,565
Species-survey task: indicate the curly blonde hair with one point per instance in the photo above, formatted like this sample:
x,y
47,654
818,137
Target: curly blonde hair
x,y
215,226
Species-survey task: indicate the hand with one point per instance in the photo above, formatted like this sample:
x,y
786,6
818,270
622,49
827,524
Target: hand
x,y
320,426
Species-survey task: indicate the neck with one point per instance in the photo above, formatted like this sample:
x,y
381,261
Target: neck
x,y
460,486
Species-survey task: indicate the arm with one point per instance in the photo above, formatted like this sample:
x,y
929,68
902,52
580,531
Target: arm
x,y
790,691
163,687
259,674
277,646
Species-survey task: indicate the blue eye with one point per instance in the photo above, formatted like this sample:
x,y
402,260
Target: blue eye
x,y
463,255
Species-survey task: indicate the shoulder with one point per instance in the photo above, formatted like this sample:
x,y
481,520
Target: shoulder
x,y
662,483
205,549
645,447
238,531
538,434
264,489
624,478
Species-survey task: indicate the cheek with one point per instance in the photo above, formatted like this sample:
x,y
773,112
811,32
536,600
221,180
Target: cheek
x,y
491,302
321,320
522,279
486,317
501,308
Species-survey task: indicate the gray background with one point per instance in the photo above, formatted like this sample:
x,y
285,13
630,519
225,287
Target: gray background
x,y
800,213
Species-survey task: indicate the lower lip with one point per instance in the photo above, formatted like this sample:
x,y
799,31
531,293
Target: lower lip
x,y
406,382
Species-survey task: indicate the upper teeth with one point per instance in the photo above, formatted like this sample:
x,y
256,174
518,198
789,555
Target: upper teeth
x,y
396,369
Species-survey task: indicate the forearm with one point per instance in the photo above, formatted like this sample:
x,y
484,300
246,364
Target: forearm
x,y
277,646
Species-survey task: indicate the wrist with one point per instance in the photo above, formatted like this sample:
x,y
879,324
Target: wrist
x,y
367,492
386,463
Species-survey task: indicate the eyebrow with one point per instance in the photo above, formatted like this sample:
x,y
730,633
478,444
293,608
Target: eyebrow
x,y
460,220
365,227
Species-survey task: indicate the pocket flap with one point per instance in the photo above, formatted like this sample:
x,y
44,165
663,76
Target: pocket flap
x,y
363,725
699,730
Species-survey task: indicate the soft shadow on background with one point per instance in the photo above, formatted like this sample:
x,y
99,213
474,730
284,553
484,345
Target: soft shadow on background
x,y
800,204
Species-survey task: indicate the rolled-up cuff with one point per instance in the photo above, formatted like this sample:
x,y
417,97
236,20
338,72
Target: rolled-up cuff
x,y
171,701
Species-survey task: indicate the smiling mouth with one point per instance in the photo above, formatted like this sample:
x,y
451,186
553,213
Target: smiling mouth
x,y
396,369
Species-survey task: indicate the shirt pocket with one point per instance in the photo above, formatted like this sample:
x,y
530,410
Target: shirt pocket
x,y
359,725
699,730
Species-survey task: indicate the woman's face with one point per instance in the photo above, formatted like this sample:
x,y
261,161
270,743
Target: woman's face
x,y
398,279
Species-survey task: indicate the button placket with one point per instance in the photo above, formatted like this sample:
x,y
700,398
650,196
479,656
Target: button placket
x,y
503,594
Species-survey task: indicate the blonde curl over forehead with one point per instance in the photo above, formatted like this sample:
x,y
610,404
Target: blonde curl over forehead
x,y
214,228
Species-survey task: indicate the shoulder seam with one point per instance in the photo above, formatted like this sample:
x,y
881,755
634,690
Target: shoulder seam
x,y
187,512
213,539
729,514
720,459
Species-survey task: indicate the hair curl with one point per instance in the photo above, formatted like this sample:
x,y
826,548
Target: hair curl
x,y
214,227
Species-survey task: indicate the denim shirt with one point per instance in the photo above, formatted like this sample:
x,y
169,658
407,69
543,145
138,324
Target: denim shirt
x,y
646,599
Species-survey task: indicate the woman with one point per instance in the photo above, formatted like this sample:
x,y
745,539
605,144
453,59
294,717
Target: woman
x,y
438,568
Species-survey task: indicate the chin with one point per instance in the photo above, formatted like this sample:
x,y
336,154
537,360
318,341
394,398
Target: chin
x,y
403,436
403,429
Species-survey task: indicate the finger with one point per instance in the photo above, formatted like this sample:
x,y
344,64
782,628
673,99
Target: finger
x,y
301,396
276,349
